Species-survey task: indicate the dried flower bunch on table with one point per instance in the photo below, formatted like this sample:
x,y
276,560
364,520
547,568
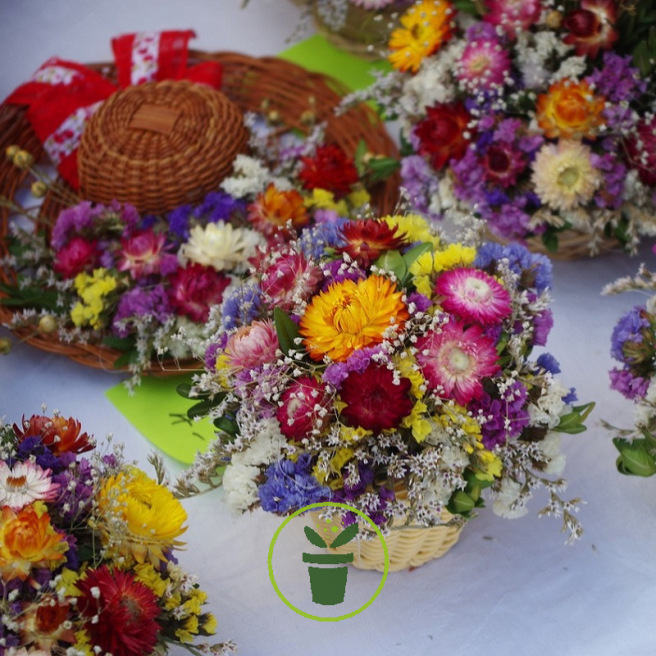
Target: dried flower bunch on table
x,y
537,116
87,550
381,366
633,346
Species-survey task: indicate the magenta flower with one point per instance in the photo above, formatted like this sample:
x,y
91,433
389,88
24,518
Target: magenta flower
x,y
252,345
142,253
194,289
289,278
484,65
473,295
513,15
503,164
303,408
455,359
77,255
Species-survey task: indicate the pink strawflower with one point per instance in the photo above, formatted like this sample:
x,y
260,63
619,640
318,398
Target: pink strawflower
x,y
142,253
288,278
75,256
252,345
455,359
303,408
473,295
25,483
513,15
484,65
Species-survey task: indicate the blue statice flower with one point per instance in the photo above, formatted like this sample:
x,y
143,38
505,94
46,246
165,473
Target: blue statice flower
x,y
534,267
314,240
242,306
549,363
219,206
290,486
628,329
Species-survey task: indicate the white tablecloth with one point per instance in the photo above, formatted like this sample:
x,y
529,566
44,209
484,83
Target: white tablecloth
x,y
508,587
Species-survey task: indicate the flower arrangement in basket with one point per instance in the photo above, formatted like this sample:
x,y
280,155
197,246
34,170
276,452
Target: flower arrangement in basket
x,y
390,370
146,285
633,346
87,546
536,116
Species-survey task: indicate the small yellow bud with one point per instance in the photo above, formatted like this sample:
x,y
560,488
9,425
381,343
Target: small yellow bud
x,y
23,159
554,19
5,346
308,117
39,189
47,324
11,151
274,117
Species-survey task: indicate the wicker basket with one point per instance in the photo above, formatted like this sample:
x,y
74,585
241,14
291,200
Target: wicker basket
x,y
249,82
160,145
408,546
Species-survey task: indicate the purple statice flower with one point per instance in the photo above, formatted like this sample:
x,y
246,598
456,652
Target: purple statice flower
x,y
509,221
211,354
421,302
630,386
219,206
542,325
324,234
482,32
534,269
506,417
76,500
141,302
290,486
32,447
419,182
241,306
507,130
549,363
469,180
357,362
619,118
178,220
614,173
72,221
334,272
617,80
129,216
628,329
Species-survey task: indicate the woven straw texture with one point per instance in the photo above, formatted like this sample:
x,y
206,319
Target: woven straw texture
x,y
408,547
160,145
251,83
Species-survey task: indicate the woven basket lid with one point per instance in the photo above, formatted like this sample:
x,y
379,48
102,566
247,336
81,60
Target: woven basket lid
x,y
160,145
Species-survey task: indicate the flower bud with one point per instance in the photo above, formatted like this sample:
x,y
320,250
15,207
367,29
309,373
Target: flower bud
x,y
22,159
554,19
39,189
11,151
5,346
47,324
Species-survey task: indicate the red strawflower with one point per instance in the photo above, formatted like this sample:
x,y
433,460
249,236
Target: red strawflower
x,y
194,288
641,148
303,408
77,255
503,164
368,238
125,610
45,624
57,433
142,253
331,169
443,135
591,27
375,399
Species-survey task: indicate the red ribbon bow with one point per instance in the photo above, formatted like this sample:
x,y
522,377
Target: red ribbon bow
x,y
62,95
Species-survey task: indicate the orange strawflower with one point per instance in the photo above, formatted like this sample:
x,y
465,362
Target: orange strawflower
x,y
27,539
570,110
352,315
57,433
273,209
426,26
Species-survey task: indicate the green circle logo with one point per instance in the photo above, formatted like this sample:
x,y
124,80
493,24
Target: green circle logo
x,y
344,507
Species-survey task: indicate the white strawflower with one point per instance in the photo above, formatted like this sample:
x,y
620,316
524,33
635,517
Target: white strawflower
x,y
240,486
221,246
507,496
550,447
550,406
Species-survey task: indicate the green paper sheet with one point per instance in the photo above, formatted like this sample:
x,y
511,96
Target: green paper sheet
x,y
156,409
158,412
316,54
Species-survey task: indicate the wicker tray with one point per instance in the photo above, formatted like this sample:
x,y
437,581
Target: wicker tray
x,y
408,547
250,83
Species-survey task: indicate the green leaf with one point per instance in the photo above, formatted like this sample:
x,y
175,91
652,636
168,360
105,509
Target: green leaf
x,y
286,330
467,6
572,422
380,168
201,409
120,343
414,253
227,425
184,390
128,357
345,536
635,457
550,241
461,503
314,537
393,262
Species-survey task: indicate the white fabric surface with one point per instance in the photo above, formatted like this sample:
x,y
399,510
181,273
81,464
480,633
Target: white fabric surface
x,y
509,586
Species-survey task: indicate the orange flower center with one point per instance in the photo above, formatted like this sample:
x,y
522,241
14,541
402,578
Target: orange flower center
x,y
18,483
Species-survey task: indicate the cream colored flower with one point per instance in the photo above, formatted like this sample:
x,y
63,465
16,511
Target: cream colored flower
x,y
221,246
563,175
